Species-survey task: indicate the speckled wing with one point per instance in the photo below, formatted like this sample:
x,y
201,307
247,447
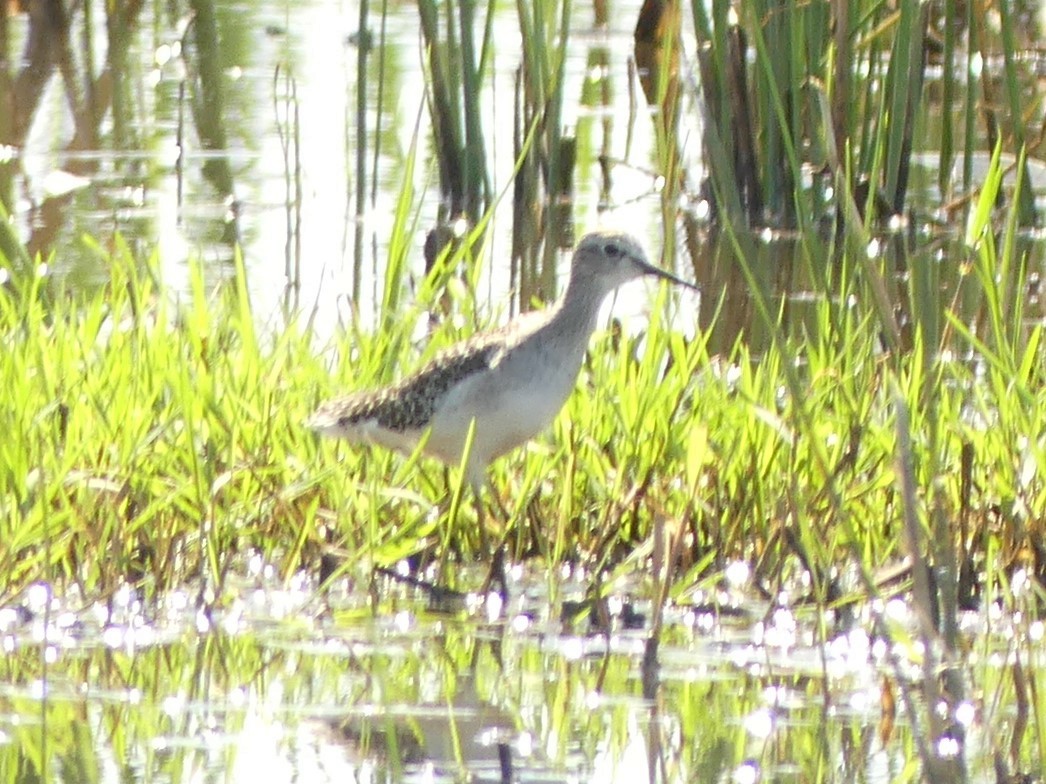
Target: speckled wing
x,y
410,404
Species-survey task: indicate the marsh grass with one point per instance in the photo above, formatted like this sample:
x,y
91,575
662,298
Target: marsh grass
x,y
159,441
146,433
762,65
156,438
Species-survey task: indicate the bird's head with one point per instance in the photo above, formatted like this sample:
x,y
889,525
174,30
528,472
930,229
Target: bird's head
x,y
605,260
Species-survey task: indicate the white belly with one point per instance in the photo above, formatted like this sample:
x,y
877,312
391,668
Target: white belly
x,y
511,403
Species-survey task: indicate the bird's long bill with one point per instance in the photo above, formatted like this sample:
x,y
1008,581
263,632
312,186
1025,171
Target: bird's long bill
x,y
650,269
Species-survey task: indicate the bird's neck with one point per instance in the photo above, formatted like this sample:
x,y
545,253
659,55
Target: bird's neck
x,y
577,311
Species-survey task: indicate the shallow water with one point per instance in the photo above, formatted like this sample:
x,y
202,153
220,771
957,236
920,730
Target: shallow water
x,y
367,682
294,203
293,207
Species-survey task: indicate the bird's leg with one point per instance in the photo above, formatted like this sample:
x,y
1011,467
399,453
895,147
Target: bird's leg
x,y
503,512
496,575
501,517
481,513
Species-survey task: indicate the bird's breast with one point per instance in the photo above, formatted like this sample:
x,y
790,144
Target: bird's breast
x,y
511,402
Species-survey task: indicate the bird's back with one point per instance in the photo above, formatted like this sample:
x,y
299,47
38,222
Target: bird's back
x,y
409,404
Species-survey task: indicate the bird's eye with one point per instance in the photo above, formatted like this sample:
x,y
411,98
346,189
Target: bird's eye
x,y
612,250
